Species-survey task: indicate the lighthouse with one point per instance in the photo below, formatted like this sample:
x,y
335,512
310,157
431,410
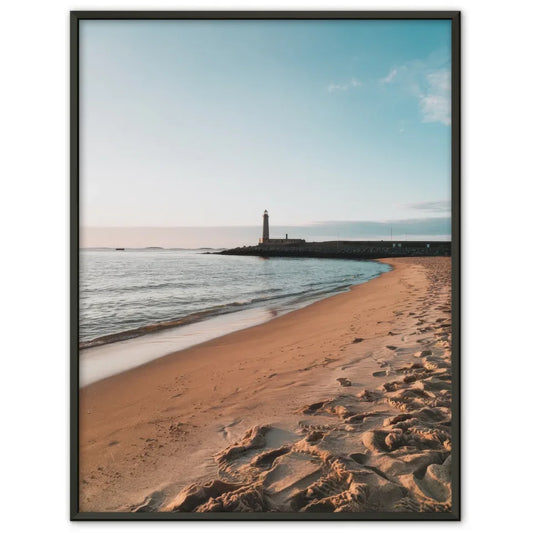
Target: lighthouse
x,y
265,239
265,227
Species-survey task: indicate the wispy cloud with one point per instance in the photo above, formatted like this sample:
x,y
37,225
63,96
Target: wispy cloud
x,y
332,87
442,206
353,83
390,76
435,100
429,81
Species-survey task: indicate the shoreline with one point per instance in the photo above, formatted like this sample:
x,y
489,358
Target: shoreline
x,y
106,356
155,429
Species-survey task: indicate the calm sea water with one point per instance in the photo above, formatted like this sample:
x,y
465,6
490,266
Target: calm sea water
x,y
136,305
128,291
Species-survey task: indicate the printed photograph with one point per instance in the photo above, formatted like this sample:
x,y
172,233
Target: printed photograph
x,y
265,268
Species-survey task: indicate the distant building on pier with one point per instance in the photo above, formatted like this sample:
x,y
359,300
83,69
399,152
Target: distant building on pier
x,y
265,239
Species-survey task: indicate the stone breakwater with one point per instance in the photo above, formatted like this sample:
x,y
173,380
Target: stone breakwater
x,y
347,249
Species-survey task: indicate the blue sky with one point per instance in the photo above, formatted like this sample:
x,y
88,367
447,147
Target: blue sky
x,y
207,123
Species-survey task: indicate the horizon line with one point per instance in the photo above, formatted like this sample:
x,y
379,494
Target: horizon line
x,y
324,222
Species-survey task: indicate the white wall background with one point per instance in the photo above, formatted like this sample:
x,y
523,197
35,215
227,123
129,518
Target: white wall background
x,y
497,355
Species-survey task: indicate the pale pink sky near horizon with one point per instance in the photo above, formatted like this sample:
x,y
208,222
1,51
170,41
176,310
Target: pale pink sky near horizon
x,y
230,236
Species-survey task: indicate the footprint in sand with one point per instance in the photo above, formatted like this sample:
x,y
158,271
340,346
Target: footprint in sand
x,y
344,382
312,408
423,353
225,430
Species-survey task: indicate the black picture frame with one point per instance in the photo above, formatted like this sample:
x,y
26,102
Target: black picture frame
x,y
455,18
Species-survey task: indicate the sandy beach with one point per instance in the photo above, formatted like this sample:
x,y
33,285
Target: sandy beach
x,y
343,405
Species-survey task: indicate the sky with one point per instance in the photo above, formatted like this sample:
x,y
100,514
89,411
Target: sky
x,y
341,129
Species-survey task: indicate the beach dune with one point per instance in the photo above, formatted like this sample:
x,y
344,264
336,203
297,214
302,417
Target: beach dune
x,y
344,405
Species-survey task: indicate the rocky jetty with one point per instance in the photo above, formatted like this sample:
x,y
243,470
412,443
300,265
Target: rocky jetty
x,y
347,249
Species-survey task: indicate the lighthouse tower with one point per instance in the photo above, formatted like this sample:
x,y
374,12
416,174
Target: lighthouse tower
x,y
265,227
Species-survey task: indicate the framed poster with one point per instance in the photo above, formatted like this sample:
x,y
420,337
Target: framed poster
x,y
265,265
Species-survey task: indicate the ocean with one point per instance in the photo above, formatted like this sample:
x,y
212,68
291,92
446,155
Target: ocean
x,y
137,305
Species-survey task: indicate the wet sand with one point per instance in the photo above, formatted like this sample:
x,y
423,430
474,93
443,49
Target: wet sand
x,y
341,406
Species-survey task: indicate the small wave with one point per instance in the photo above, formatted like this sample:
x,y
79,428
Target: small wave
x,y
213,311
144,330
167,324
316,294
140,288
